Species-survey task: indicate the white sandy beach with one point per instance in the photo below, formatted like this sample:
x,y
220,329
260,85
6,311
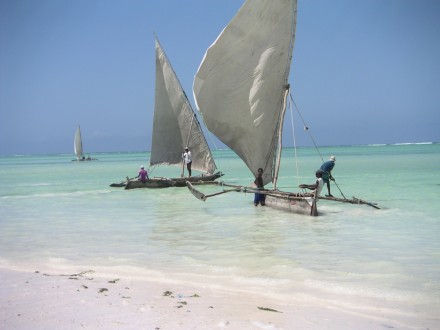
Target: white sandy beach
x,y
87,300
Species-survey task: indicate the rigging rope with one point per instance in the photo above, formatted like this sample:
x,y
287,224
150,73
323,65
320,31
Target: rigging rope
x,y
294,140
306,128
151,169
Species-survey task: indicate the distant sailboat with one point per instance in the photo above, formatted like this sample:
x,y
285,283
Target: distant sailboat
x,y
175,127
77,144
78,147
241,88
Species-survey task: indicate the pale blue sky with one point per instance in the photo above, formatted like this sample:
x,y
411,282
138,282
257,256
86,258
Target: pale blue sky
x,y
363,72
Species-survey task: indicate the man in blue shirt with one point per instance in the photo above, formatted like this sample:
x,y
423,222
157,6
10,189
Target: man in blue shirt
x,y
327,168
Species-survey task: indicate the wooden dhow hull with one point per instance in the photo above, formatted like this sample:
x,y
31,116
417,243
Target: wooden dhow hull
x,y
298,205
181,182
84,160
151,183
291,202
159,182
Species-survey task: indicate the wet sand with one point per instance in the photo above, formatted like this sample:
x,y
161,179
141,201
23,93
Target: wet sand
x,y
88,300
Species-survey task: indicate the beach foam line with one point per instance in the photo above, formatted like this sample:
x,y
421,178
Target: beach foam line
x,y
411,143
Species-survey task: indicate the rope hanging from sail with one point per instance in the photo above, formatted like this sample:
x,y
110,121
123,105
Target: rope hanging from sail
x,y
294,140
189,132
306,128
151,169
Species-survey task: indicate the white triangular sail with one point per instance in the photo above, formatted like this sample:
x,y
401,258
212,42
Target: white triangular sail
x,y
241,82
175,125
77,144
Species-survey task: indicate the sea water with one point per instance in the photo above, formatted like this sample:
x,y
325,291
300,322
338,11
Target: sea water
x,y
61,215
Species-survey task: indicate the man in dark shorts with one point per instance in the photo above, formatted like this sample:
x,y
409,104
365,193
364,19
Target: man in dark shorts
x,y
188,160
327,168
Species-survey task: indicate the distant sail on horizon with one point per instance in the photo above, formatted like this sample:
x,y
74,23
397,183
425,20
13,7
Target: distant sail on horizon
x,y
77,144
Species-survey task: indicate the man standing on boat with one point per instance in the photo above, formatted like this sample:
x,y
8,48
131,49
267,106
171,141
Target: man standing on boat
x,y
143,175
327,168
188,160
259,198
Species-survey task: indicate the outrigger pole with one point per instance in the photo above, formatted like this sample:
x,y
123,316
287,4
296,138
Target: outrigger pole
x,y
201,196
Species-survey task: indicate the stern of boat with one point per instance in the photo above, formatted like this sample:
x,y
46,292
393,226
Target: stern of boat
x,y
303,205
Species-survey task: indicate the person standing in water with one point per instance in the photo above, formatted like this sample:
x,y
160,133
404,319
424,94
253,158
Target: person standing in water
x,y
259,198
326,169
187,158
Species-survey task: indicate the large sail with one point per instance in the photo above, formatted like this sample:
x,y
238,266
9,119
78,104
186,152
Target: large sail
x,y
175,125
77,144
240,85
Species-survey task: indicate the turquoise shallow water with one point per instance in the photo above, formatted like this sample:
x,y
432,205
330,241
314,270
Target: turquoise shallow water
x,y
56,214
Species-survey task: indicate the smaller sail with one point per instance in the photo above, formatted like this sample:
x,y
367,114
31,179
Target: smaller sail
x,y
77,144
175,125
